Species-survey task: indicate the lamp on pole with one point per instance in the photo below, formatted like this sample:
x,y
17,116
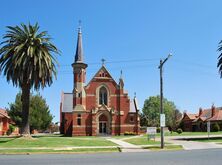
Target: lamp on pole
x,y
162,116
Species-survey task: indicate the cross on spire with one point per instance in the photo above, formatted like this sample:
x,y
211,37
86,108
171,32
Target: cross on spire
x,y
103,61
80,22
121,74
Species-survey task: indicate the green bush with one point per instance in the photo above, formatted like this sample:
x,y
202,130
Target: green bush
x,y
129,133
10,130
158,129
215,127
179,131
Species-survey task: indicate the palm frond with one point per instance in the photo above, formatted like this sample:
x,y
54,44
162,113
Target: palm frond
x,y
28,56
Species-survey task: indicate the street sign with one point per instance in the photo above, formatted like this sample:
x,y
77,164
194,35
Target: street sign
x,y
162,120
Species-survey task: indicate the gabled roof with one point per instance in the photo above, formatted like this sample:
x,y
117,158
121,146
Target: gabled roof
x,y
3,113
217,116
206,115
107,75
192,116
200,118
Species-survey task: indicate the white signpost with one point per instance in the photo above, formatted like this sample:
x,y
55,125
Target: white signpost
x,y
162,120
151,132
208,129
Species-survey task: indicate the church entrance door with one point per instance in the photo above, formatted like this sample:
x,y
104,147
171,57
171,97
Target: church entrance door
x,y
103,125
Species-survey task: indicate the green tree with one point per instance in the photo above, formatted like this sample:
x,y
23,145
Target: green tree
x,y
151,112
39,117
26,59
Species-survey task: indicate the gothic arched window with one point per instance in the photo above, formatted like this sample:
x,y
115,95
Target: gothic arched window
x,y
103,96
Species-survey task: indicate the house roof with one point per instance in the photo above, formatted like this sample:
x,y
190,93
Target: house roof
x,y
192,116
206,115
217,116
3,113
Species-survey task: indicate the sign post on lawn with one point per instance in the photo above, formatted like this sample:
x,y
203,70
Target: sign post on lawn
x,y
151,132
208,129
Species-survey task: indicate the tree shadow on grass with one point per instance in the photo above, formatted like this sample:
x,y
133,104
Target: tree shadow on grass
x,y
201,138
8,139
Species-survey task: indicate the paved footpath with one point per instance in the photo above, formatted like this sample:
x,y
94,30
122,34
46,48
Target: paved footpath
x,y
127,147
192,145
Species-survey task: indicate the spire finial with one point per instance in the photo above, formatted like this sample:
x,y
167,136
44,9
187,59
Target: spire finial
x,y
79,28
121,73
103,61
134,94
79,47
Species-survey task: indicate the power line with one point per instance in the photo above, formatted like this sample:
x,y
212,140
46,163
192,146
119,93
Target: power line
x,y
119,61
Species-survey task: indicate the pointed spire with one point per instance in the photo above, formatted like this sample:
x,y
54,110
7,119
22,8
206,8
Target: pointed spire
x,y
121,82
79,47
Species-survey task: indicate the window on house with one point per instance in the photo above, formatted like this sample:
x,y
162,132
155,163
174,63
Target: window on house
x,y
79,94
79,119
103,96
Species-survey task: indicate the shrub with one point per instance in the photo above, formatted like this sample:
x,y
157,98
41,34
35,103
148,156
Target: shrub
x,y
129,133
10,130
215,127
179,131
158,129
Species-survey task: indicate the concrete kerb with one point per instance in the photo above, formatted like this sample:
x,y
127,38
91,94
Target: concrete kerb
x,y
60,148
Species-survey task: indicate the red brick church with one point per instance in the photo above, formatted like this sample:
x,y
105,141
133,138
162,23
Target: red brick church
x,y
100,107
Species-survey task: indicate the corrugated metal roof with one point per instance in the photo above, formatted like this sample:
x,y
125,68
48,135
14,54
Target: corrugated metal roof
x,y
67,102
133,105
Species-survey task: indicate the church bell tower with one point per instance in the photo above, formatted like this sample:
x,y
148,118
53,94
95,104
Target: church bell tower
x,y
79,71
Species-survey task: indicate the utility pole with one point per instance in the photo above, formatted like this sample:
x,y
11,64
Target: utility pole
x,y
161,99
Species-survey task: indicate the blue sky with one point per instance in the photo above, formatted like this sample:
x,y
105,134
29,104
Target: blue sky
x,y
131,35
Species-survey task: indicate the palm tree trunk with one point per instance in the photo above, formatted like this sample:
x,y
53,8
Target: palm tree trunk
x,y
25,130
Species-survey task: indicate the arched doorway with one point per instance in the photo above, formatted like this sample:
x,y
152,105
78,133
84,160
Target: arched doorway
x,y
103,124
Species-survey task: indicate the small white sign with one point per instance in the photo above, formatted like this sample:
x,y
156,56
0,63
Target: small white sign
x,y
162,120
151,130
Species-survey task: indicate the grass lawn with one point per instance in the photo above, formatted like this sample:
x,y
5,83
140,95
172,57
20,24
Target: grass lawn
x,y
142,140
32,151
54,141
166,147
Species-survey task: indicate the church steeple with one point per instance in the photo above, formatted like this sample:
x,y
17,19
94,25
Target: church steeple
x,y
79,48
79,71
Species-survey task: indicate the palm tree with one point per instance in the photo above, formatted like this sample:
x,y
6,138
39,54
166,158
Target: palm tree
x,y
26,59
219,64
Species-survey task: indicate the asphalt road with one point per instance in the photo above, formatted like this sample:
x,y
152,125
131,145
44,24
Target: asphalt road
x,y
192,157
